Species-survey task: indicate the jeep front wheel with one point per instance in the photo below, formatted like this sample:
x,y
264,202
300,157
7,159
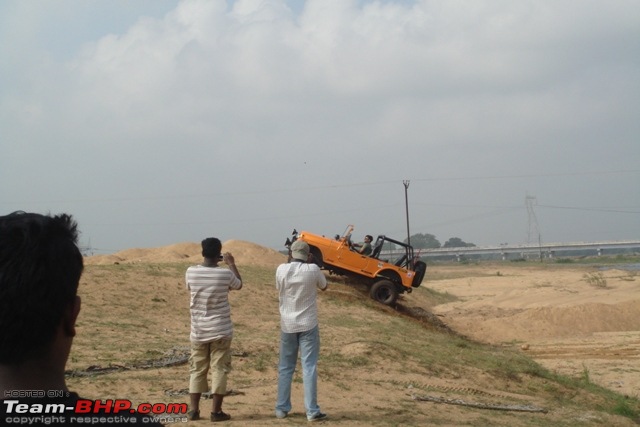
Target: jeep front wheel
x,y
384,291
316,256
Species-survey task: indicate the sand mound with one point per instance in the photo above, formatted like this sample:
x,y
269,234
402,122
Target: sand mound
x,y
550,322
245,253
581,319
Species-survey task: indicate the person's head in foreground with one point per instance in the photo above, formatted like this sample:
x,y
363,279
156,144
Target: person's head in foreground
x,y
40,268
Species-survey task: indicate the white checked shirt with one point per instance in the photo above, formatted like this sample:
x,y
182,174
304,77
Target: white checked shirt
x,y
296,283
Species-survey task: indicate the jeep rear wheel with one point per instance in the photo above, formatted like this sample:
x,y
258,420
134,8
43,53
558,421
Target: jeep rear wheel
x,y
384,291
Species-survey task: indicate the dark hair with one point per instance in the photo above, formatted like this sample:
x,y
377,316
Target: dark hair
x,y
369,236
40,267
211,248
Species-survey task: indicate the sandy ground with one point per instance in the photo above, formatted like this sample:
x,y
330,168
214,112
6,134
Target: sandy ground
x,y
558,315
573,319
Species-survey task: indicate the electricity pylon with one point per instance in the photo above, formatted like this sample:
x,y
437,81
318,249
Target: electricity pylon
x,y
534,231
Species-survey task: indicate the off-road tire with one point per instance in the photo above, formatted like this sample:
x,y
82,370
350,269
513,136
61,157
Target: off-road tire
x,y
317,256
420,268
384,291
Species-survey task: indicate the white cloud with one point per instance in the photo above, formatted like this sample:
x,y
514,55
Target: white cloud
x,y
258,97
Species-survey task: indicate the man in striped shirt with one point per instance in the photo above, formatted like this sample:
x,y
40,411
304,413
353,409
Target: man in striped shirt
x,y
296,282
211,327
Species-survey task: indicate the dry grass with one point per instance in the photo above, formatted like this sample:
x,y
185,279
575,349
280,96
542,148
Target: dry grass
x,y
373,358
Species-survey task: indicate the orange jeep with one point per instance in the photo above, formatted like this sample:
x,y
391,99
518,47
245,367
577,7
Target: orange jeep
x,y
387,279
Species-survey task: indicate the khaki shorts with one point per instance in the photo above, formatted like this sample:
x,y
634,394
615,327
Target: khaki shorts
x,y
215,355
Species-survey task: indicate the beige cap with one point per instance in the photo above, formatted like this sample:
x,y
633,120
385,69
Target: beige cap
x,y
300,250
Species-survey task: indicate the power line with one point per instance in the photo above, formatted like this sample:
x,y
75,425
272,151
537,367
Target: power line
x,y
322,187
549,175
589,209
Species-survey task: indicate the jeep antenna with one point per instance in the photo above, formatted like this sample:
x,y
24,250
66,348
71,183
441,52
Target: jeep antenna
x,y
406,205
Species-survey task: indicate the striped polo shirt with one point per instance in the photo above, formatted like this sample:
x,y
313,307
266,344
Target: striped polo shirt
x,y
209,306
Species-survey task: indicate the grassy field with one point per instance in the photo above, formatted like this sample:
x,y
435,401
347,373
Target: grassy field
x,y
376,363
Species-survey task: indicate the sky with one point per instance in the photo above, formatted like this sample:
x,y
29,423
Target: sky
x,y
156,122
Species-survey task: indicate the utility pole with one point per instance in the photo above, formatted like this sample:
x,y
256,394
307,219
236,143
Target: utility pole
x,y
406,205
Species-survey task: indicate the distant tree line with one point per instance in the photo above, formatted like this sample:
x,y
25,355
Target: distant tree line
x,y
429,241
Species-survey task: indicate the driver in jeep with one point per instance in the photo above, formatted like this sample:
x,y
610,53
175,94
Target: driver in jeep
x,y
365,247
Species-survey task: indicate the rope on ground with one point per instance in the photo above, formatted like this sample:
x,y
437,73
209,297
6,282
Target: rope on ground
x,y
205,395
174,357
497,407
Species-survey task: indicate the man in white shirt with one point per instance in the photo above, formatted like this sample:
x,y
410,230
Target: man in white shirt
x,y
296,283
211,327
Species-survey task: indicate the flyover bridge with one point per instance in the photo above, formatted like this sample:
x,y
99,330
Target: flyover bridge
x,y
530,250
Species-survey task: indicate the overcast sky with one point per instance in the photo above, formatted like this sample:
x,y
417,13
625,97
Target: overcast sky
x,y
157,122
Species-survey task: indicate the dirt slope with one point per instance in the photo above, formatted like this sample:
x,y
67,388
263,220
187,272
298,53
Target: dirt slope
x,y
552,313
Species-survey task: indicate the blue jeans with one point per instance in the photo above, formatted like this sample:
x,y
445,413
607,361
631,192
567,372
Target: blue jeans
x,y
309,344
